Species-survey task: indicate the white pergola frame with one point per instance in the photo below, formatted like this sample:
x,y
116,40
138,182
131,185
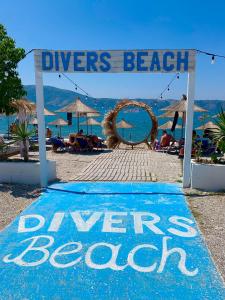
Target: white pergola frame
x,y
41,126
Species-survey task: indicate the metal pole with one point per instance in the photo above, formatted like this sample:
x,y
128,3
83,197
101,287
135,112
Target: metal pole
x,y
41,128
188,130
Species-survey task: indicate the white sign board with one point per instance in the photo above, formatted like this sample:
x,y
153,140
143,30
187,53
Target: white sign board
x,y
115,61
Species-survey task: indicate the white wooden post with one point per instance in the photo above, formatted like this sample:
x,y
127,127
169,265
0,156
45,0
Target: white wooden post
x,y
41,128
188,130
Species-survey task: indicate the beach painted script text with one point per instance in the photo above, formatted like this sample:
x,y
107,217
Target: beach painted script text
x,y
50,245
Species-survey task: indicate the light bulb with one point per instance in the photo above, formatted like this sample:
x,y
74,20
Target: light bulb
x,y
213,60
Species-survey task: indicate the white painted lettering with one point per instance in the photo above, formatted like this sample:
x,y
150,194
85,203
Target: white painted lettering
x,y
181,265
58,252
56,221
23,222
111,264
82,225
150,224
20,260
136,267
109,220
191,232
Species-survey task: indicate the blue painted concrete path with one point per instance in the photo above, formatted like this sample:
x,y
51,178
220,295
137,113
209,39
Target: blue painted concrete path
x,y
107,241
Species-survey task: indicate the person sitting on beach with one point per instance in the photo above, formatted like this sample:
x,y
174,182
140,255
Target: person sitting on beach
x,y
80,133
2,142
48,132
165,139
12,128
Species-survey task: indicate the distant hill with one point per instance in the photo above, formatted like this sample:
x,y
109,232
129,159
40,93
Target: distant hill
x,y
56,98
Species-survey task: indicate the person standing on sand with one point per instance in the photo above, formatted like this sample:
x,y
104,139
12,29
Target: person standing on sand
x,y
48,133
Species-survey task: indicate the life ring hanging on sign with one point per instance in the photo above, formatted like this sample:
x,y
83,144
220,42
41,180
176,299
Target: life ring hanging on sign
x,y
110,129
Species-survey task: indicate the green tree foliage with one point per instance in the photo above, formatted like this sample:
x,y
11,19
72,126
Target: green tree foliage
x,y
10,84
219,134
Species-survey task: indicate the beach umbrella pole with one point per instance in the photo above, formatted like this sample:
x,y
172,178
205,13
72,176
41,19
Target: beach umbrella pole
x,y
87,123
78,122
8,127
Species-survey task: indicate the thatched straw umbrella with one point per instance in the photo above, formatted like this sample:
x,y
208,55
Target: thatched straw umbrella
x,y
181,107
91,122
79,108
59,122
208,125
26,108
170,114
124,125
168,125
34,121
91,115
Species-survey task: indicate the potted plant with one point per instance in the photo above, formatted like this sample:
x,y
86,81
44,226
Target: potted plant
x,y
209,174
24,171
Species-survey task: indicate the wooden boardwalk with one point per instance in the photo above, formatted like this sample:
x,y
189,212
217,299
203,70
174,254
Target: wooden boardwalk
x,y
132,165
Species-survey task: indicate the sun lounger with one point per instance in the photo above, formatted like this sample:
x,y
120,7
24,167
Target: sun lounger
x,y
57,144
83,144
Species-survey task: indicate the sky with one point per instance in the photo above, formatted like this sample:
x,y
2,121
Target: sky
x,y
122,24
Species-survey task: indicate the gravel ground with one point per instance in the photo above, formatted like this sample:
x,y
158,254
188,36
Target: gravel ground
x,y
209,212
207,208
14,198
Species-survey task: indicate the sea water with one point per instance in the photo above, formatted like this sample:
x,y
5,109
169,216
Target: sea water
x,y
138,119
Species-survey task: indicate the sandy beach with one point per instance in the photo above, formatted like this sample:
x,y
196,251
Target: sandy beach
x,y
207,208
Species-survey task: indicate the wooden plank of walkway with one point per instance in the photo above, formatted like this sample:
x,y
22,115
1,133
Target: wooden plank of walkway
x,y
132,165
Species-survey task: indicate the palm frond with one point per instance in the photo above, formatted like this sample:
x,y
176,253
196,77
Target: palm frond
x,y
219,133
22,132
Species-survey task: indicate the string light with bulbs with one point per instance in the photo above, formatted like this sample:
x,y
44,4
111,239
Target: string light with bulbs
x,y
213,55
75,84
167,88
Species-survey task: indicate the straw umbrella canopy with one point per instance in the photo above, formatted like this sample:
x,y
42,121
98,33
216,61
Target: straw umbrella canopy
x,y
91,115
181,107
208,125
26,107
124,125
169,114
46,111
34,121
168,125
91,122
59,122
79,108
